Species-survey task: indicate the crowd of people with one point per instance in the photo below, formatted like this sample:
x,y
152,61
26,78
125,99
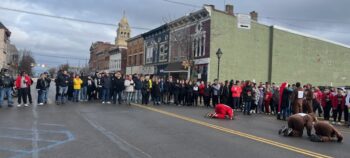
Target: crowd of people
x,y
245,96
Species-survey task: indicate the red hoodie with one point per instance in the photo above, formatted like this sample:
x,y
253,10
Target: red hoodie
x,y
236,91
222,110
18,81
338,99
201,88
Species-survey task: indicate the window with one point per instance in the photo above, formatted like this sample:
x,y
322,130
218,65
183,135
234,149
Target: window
x,y
163,52
135,56
141,59
149,54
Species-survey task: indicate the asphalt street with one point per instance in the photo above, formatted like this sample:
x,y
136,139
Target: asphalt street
x,y
95,130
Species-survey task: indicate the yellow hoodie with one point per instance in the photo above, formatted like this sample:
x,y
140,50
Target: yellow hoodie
x,y
77,83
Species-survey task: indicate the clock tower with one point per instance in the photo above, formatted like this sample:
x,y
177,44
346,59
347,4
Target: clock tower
x,y
123,33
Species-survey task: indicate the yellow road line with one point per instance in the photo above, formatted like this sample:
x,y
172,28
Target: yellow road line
x,y
249,136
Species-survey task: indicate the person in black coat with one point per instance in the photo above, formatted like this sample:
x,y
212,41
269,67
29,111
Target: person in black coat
x,y
182,93
41,85
247,97
207,94
146,90
118,87
225,91
189,93
176,91
156,92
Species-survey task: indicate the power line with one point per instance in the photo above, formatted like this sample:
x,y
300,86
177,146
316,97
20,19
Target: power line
x,y
56,56
66,18
183,4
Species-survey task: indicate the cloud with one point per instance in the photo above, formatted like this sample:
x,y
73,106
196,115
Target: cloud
x,y
328,19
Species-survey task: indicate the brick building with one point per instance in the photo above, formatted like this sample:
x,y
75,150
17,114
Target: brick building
x,y
4,42
135,55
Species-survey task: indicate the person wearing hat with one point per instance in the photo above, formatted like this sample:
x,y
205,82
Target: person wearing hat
x,y
6,85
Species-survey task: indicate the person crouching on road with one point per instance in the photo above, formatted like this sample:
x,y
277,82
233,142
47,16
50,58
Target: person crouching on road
x,y
77,82
325,132
296,124
222,111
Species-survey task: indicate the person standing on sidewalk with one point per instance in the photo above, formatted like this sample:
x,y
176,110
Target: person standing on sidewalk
x,y
77,82
216,92
129,89
84,87
146,90
106,88
118,87
98,84
63,81
236,95
47,89
22,83
41,88
138,87
247,98
6,85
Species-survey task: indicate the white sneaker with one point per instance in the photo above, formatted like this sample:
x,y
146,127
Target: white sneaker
x,y
41,104
103,102
19,105
26,105
339,123
108,102
333,122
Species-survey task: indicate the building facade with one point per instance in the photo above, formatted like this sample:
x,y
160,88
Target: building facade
x,y
12,59
156,47
117,59
190,46
4,42
135,55
99,56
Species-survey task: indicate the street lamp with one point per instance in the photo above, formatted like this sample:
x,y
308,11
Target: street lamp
x,y
218,54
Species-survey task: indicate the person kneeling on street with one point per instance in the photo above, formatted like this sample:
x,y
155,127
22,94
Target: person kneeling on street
x,y
325,132
222,111
296,124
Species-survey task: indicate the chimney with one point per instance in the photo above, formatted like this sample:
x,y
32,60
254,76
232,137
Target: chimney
x,y
229,9
254,15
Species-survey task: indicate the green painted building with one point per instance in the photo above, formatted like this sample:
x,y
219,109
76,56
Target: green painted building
x,y
275,54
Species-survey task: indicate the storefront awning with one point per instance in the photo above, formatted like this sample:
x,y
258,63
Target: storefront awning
x,y
174,67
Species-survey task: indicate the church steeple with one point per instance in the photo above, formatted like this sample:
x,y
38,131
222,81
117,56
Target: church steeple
x,y
123,32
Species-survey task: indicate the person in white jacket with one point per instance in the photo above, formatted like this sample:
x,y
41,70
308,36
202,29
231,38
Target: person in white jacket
x,y
347,103
129,89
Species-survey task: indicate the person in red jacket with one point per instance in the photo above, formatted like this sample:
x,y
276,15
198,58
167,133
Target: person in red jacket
x,y
23,81
201,88
236,91
222,111
338,103
267,100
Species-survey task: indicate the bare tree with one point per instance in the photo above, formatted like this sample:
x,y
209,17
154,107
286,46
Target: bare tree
x,y
64,67
27,62
52,71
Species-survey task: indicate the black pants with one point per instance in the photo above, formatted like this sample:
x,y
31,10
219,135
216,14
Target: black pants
x,y
201,98
182,99
29,95
189,99
337,112
207,101
215,100
346,114
22,95
235,102
316,106
145,97
115,95
195,99
176,98
327,111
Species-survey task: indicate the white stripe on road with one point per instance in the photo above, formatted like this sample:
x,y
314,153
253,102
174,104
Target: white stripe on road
x,y
35,132
121,143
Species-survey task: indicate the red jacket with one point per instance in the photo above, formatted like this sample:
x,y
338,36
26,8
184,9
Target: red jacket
x,y
201,88
268,96
236,91
338,100
222,110
18,81
326,97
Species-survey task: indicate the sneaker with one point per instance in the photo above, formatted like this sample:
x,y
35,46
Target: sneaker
x,y
282,130
26,105
288,132
41,104
338,123
108,102
103,102
19,105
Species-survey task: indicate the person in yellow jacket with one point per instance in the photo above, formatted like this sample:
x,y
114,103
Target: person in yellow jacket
x,y
76,86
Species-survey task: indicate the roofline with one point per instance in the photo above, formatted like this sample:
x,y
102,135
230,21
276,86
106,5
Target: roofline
x,y
310,36
133,38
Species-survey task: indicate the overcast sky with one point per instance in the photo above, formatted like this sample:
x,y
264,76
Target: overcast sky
x,y
42,35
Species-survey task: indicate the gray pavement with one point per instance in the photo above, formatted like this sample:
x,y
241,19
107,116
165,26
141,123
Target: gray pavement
x,y
92,129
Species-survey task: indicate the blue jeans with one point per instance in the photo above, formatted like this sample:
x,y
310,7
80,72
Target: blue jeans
x,y
284,112
83,93
41,96
117,95
63,93
105,94
8,92
46,95
76,95
247,107
129,97
138,96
